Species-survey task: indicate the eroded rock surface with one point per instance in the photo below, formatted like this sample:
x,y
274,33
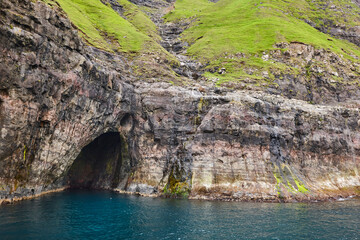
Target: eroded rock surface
x,y
57,95
343,31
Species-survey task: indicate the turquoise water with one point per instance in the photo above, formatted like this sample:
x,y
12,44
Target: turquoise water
x,y
106,215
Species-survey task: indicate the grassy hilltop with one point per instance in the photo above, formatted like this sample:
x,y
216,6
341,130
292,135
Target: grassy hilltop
x,y
224,29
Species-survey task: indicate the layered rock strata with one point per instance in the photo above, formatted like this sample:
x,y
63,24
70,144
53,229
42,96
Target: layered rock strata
x,y
58,95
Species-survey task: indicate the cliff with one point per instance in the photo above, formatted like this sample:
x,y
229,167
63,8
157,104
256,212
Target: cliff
x,y
234,100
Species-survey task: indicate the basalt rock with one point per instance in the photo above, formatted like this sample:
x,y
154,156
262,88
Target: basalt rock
x,y
73,116
55,98
331,26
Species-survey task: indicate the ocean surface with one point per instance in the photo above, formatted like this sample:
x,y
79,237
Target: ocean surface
x,y
108,215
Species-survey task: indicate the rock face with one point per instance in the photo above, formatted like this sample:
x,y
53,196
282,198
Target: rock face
x,y
55,98
350,33
60,100
249,145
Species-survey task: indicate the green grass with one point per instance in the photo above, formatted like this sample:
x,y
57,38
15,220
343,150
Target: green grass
x,y
132,34
323,12
230,33
187,9
230,27
246,26
139,19
103,28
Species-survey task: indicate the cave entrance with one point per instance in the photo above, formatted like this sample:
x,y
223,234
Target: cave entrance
x,y
102,164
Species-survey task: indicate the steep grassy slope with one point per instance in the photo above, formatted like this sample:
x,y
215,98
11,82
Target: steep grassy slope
x,y
239,36
104,28
233,33
128,31
324,13
139,19
250,27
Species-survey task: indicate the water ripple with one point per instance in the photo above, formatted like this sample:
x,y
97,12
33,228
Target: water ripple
x,y
106,215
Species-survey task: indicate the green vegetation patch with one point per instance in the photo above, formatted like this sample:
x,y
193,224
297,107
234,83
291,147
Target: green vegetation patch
x,y
102,27
288,180
130,32
250,27
188,9
139,19
176,187
325,13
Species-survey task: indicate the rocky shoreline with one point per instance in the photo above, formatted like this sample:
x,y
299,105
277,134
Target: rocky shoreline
x,y
329,198
19,199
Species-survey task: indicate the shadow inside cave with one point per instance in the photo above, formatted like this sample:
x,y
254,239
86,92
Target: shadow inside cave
x,y
102,164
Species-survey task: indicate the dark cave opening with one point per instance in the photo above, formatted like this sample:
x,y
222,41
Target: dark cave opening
x,y
101,164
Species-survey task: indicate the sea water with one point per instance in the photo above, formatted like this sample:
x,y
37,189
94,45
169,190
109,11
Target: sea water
x,y
108,215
